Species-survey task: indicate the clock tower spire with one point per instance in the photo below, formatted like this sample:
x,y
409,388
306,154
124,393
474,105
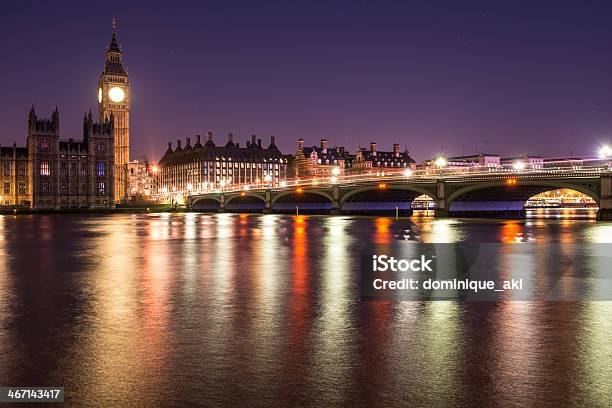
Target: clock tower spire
x,y
114,97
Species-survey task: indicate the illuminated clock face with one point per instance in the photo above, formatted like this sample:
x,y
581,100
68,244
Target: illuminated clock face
x,y
99,95
116,94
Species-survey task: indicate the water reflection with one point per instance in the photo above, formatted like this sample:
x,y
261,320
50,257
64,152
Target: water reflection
x,y
257,309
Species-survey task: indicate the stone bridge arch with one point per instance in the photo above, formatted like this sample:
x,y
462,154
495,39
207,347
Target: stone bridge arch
x,y
245,202
499,196
304,200
384,200
209,203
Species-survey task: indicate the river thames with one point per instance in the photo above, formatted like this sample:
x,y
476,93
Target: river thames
x,y
264,310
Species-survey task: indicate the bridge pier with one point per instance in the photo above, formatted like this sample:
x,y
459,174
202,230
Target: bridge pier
x,y
336,210
222,203
268,202
441,210
605,203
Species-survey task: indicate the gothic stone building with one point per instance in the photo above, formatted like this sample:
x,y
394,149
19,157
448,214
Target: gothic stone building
x,y
51,173
14,174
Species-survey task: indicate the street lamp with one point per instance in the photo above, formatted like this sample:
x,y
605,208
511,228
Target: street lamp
x,y
333,179
605,152
518,165
441,162
335,171
407,173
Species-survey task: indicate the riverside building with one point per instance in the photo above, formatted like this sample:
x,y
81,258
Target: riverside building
x,y
206,166
322,160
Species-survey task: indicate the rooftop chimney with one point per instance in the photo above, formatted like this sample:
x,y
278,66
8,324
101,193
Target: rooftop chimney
x,y
178,145
252,140
197,140
324,145
259,143
396,149
188,142
209,136
170,146
272,140
373,148
300,144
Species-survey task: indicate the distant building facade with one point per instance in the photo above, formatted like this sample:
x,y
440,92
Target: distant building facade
x,y
14,175
380,160
321,160
318,161
142,180
207,166
530,162
480,161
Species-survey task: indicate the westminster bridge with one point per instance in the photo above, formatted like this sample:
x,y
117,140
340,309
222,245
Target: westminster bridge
x,y
451,192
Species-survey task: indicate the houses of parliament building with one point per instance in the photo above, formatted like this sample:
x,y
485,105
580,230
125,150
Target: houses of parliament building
x,y
91,172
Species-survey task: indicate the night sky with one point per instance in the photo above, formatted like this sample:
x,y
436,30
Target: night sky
x,y
503,77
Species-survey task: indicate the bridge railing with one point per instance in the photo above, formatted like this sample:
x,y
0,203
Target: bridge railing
x,y
420,175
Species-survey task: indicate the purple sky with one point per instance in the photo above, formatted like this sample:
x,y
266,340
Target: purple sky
x,y
509,77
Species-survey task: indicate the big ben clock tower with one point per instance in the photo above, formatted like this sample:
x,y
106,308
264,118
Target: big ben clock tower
x,y
114,97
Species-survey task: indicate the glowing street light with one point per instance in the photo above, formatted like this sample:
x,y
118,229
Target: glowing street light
x,y
518,165
407,173
605,152
267,178
335,171
441,162
283,184
333,179
154,169
189,187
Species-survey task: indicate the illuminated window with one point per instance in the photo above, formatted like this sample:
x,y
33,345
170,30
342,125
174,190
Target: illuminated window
x,y
7,188
101,169
101,187
44,168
